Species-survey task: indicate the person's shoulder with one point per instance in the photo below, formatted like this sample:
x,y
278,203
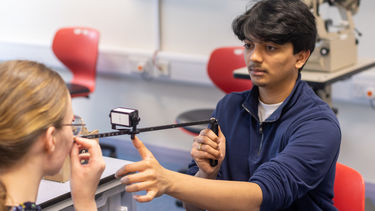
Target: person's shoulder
x,y
236,96
312,102
306,105
232,102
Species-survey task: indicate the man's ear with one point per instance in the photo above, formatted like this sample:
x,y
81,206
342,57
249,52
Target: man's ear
x,y
50,139
302,57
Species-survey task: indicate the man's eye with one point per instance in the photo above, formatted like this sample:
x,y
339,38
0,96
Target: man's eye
x,y
270,48
247,45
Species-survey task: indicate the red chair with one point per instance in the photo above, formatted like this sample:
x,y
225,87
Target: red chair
x,y
77,49
222,62
349,189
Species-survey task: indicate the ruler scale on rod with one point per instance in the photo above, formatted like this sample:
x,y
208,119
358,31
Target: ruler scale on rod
x,y
147,129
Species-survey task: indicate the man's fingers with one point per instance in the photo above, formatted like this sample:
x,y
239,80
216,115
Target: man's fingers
x,y
138,166
146,198
206,140
204,144
204,132
143,151
220,133
140,186
133,167
204,153
221,136
138,177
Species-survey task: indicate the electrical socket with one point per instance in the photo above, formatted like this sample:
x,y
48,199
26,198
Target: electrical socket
x,y
363,90
140,65
162,68
369,93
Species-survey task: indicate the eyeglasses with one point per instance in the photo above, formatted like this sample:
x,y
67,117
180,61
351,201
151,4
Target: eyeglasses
x,y
77,125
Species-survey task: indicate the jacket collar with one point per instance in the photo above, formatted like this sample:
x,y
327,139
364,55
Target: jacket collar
x,y
251,102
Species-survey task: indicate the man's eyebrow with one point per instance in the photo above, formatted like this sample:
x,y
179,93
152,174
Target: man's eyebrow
x,y
271,43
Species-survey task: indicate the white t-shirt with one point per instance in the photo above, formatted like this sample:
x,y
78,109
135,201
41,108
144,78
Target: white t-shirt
x,y
265,110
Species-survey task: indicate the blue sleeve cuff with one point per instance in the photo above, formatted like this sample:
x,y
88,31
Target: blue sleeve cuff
x,y
193,168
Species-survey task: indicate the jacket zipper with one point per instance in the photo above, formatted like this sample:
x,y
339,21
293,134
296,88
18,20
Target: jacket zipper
x,y
260,130
261,137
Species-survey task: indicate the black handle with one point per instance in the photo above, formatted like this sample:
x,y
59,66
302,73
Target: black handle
x,y
214,126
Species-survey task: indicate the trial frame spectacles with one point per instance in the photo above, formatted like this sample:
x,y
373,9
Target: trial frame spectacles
x,y
77,125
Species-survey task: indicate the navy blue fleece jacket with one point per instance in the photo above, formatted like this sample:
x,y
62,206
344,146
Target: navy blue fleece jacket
x,y
291,155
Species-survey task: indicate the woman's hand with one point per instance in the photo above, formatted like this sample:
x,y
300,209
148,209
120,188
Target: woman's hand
x,y
147,175
85,177
208,146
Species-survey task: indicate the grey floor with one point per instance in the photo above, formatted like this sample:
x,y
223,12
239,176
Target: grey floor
x,y
159,102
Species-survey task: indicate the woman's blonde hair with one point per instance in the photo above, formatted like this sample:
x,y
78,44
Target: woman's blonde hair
x,y
32,98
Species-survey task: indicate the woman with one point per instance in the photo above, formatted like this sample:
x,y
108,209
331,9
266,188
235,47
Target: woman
x,y
36,136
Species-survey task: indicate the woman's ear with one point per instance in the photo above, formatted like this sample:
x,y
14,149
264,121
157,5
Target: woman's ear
x,y
302,57
50,139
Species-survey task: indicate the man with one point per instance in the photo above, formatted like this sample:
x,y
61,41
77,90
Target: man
x,y
278,143
279,135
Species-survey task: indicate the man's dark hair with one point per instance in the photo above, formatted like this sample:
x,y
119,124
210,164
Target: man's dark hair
x,y
280,22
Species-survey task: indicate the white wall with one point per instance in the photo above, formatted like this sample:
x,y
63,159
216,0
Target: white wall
x,y
189,31
193,27
121,23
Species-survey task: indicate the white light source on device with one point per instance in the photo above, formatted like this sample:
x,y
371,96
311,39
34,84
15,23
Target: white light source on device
x,y
125,117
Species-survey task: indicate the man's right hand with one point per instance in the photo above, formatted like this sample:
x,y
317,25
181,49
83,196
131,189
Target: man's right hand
x,y
208,146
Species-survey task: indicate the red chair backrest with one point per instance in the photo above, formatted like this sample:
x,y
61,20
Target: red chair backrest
x,y
349,189
77,49
222,62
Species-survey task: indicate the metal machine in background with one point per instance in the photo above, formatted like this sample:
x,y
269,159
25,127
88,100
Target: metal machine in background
x,y
336,46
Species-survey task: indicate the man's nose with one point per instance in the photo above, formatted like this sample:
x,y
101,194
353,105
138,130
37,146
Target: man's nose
x,y
256,54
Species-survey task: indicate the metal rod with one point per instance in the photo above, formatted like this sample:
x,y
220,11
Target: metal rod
x,y
141,130
163,127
